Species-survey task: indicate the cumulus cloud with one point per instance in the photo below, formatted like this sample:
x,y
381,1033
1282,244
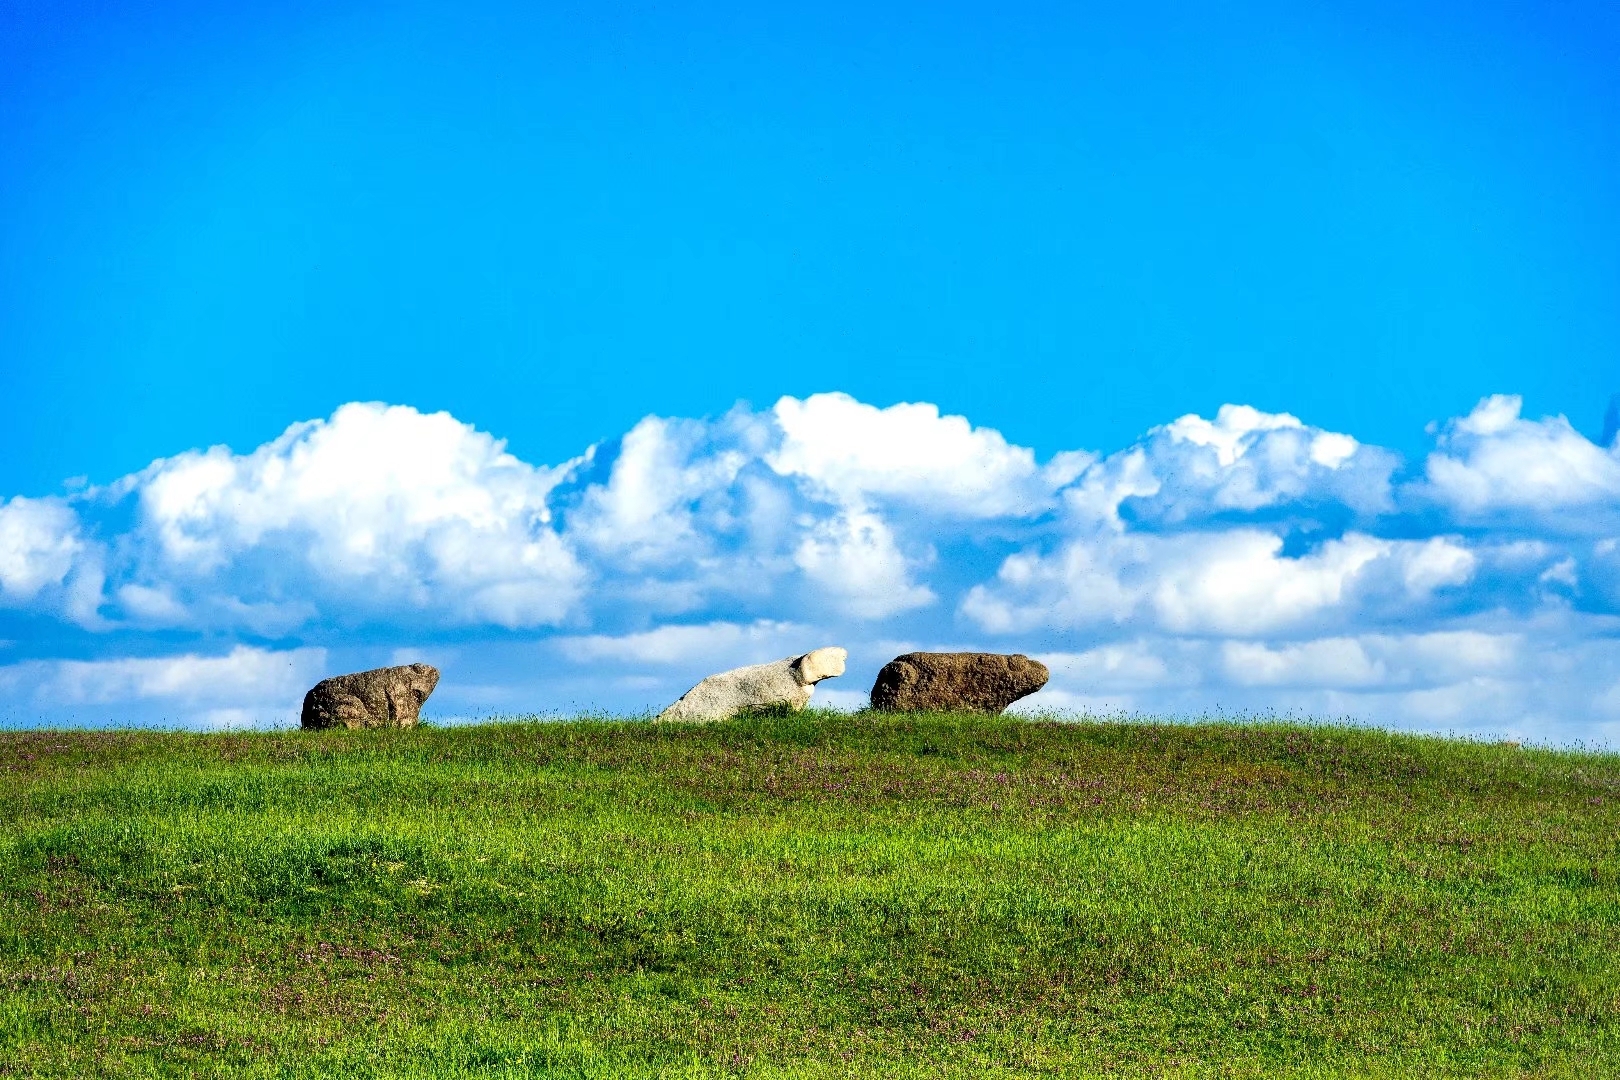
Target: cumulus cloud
x,y
1244,560
658,506
854,453
45,560
38,541
378,512
1242,461
1494,460
854,560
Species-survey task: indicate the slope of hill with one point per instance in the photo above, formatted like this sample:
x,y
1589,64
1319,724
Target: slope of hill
x,y
807,896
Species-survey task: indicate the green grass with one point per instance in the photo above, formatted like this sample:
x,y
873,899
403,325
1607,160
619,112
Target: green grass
x,y
807,896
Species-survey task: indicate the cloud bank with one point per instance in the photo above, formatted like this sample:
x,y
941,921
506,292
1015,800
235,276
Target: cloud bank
x,y
1247,561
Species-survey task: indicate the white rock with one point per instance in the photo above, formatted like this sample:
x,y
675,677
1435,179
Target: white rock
x,y
789,681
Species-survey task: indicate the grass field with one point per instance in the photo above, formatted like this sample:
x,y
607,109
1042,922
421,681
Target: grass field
x,y
807,896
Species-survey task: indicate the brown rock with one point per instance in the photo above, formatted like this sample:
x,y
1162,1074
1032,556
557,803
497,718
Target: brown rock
x,y
956,681
384,697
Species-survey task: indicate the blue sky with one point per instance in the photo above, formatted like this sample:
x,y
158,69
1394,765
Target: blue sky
x,y
1070,225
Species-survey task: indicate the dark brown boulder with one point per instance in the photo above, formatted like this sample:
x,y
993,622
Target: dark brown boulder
x,y
956,682
383,697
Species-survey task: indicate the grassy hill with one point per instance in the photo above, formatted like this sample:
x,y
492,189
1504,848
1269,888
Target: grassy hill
x,y
809,896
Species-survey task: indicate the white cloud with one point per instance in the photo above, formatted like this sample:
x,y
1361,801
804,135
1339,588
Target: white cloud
x,y
1248,561
1126,665
1555,683
1239,582
1242,461
851,453
1494,460
1365,662
1336,662
1374,660
651,511
1235,431
39,541
853,560
151,605
1436,564
188,678
1450,655
245,687
380,509
1234,581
